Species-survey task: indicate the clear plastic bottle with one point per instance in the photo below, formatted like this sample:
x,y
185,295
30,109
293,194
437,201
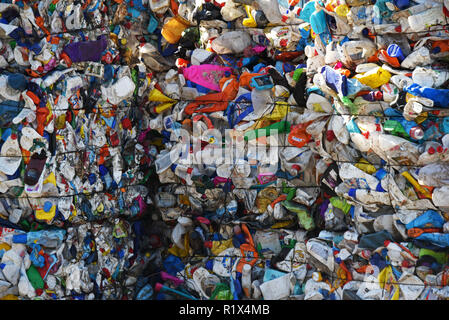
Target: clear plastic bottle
x,y
165,160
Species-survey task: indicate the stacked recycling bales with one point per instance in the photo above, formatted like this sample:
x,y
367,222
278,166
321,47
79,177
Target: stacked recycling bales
x,y
355,208
103,198
74,176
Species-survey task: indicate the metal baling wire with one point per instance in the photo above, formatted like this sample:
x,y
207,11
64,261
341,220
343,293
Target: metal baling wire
x,y
432,112
442,27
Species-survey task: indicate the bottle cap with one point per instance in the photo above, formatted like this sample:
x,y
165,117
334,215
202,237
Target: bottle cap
x,y
158,287
378,95
208,244
352,192
47,206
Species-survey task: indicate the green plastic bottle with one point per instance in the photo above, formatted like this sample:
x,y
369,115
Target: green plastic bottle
x,y
341,204
353,109
291,192
395,128
304,217
281,127
35,278
297,74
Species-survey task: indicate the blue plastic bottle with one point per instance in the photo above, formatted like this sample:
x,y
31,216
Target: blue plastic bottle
x,y
45,238
440,97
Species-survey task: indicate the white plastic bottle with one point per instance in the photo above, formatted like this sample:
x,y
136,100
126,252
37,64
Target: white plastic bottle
x,y
427,77
292,168
426,18
412,109
440,199
401,81
372,197
420,57
395,149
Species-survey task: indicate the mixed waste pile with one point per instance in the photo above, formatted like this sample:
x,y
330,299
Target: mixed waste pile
x,y
224,149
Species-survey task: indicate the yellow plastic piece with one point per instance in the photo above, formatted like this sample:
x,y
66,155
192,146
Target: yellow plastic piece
x,y
317,107
50,179
100,207
416,185
342,10
173,29
281,224
421,118
182,253
10,297
183,199
164,106
219,246
156,95
249,22
5,246
279,112
374,78
365,166
82,132
47,216
388,282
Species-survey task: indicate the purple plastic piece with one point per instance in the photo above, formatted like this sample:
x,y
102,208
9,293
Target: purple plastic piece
x,y
86,50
